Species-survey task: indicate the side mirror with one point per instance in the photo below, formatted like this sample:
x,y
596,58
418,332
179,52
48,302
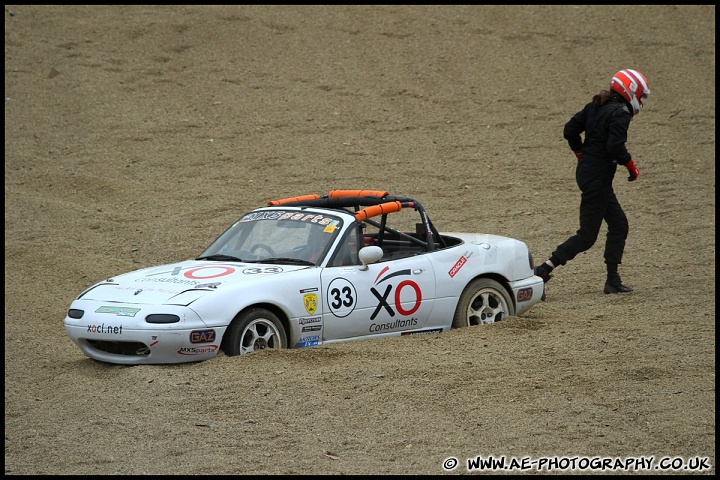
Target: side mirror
x,y
369,255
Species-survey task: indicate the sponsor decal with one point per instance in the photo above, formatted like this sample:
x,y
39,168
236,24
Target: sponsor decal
x,y
306,290
398,323
202,336
154,340
308,217
176,281
312,328
458,265
309,341
103,329
208,285
310,300
211,271
423,332
524,294
251,217
306,320
383,298
193,274
204,350
146,289
283,215
119,311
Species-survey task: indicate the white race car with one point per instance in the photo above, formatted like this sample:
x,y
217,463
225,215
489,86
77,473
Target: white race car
x,y
306,271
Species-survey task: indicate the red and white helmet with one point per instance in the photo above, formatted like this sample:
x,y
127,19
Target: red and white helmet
x,y
633,86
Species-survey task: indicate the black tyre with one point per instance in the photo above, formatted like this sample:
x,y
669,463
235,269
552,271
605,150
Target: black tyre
x,y
483,301
252,330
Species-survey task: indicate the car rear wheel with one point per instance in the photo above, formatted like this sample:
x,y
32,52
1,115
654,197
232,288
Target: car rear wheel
x,y
483,301
253,330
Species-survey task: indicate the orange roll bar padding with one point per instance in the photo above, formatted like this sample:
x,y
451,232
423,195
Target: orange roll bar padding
x,y
274,203
357,193
375,210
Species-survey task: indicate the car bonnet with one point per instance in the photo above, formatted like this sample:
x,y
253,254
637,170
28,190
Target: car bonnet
x,y
180,283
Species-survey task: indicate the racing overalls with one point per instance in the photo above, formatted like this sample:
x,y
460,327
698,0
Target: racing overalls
x,y
605,129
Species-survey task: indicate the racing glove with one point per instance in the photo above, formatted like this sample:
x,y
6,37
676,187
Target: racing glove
x,y
634,171
577,154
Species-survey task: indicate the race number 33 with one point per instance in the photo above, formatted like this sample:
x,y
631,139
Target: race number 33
x,y
341,297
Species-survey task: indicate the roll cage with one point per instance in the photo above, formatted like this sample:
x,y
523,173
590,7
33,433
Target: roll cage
x,y
366,204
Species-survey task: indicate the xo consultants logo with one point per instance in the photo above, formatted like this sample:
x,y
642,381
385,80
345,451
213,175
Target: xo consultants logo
x,y
391,297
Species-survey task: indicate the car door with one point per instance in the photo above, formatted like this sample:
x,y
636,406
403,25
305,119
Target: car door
x,y
389,297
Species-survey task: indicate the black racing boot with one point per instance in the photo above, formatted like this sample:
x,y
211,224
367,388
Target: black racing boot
x,y
616,286
543,271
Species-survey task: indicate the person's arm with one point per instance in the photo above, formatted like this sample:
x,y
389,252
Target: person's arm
x,y
573,131
617,139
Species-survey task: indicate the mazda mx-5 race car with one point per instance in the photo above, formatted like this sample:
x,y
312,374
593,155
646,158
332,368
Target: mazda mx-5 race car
x,y
306,271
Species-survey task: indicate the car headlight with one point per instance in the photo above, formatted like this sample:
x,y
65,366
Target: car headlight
x,y
75,313
162,318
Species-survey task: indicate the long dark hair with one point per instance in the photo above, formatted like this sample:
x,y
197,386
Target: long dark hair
x,y
605,96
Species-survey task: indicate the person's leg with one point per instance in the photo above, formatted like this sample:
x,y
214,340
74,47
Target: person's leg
x,y
593,203
618,229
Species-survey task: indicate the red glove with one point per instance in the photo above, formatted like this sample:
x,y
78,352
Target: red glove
x,y
577,154
634,171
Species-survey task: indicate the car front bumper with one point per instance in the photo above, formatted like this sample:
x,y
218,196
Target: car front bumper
x,y
119,333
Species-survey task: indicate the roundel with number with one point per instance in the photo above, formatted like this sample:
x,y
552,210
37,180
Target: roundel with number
x,y
341,297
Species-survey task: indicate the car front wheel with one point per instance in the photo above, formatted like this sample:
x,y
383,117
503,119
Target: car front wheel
x,y
253,330
483,301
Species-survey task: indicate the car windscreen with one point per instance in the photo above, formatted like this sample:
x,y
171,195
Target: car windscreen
x,y
267,235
